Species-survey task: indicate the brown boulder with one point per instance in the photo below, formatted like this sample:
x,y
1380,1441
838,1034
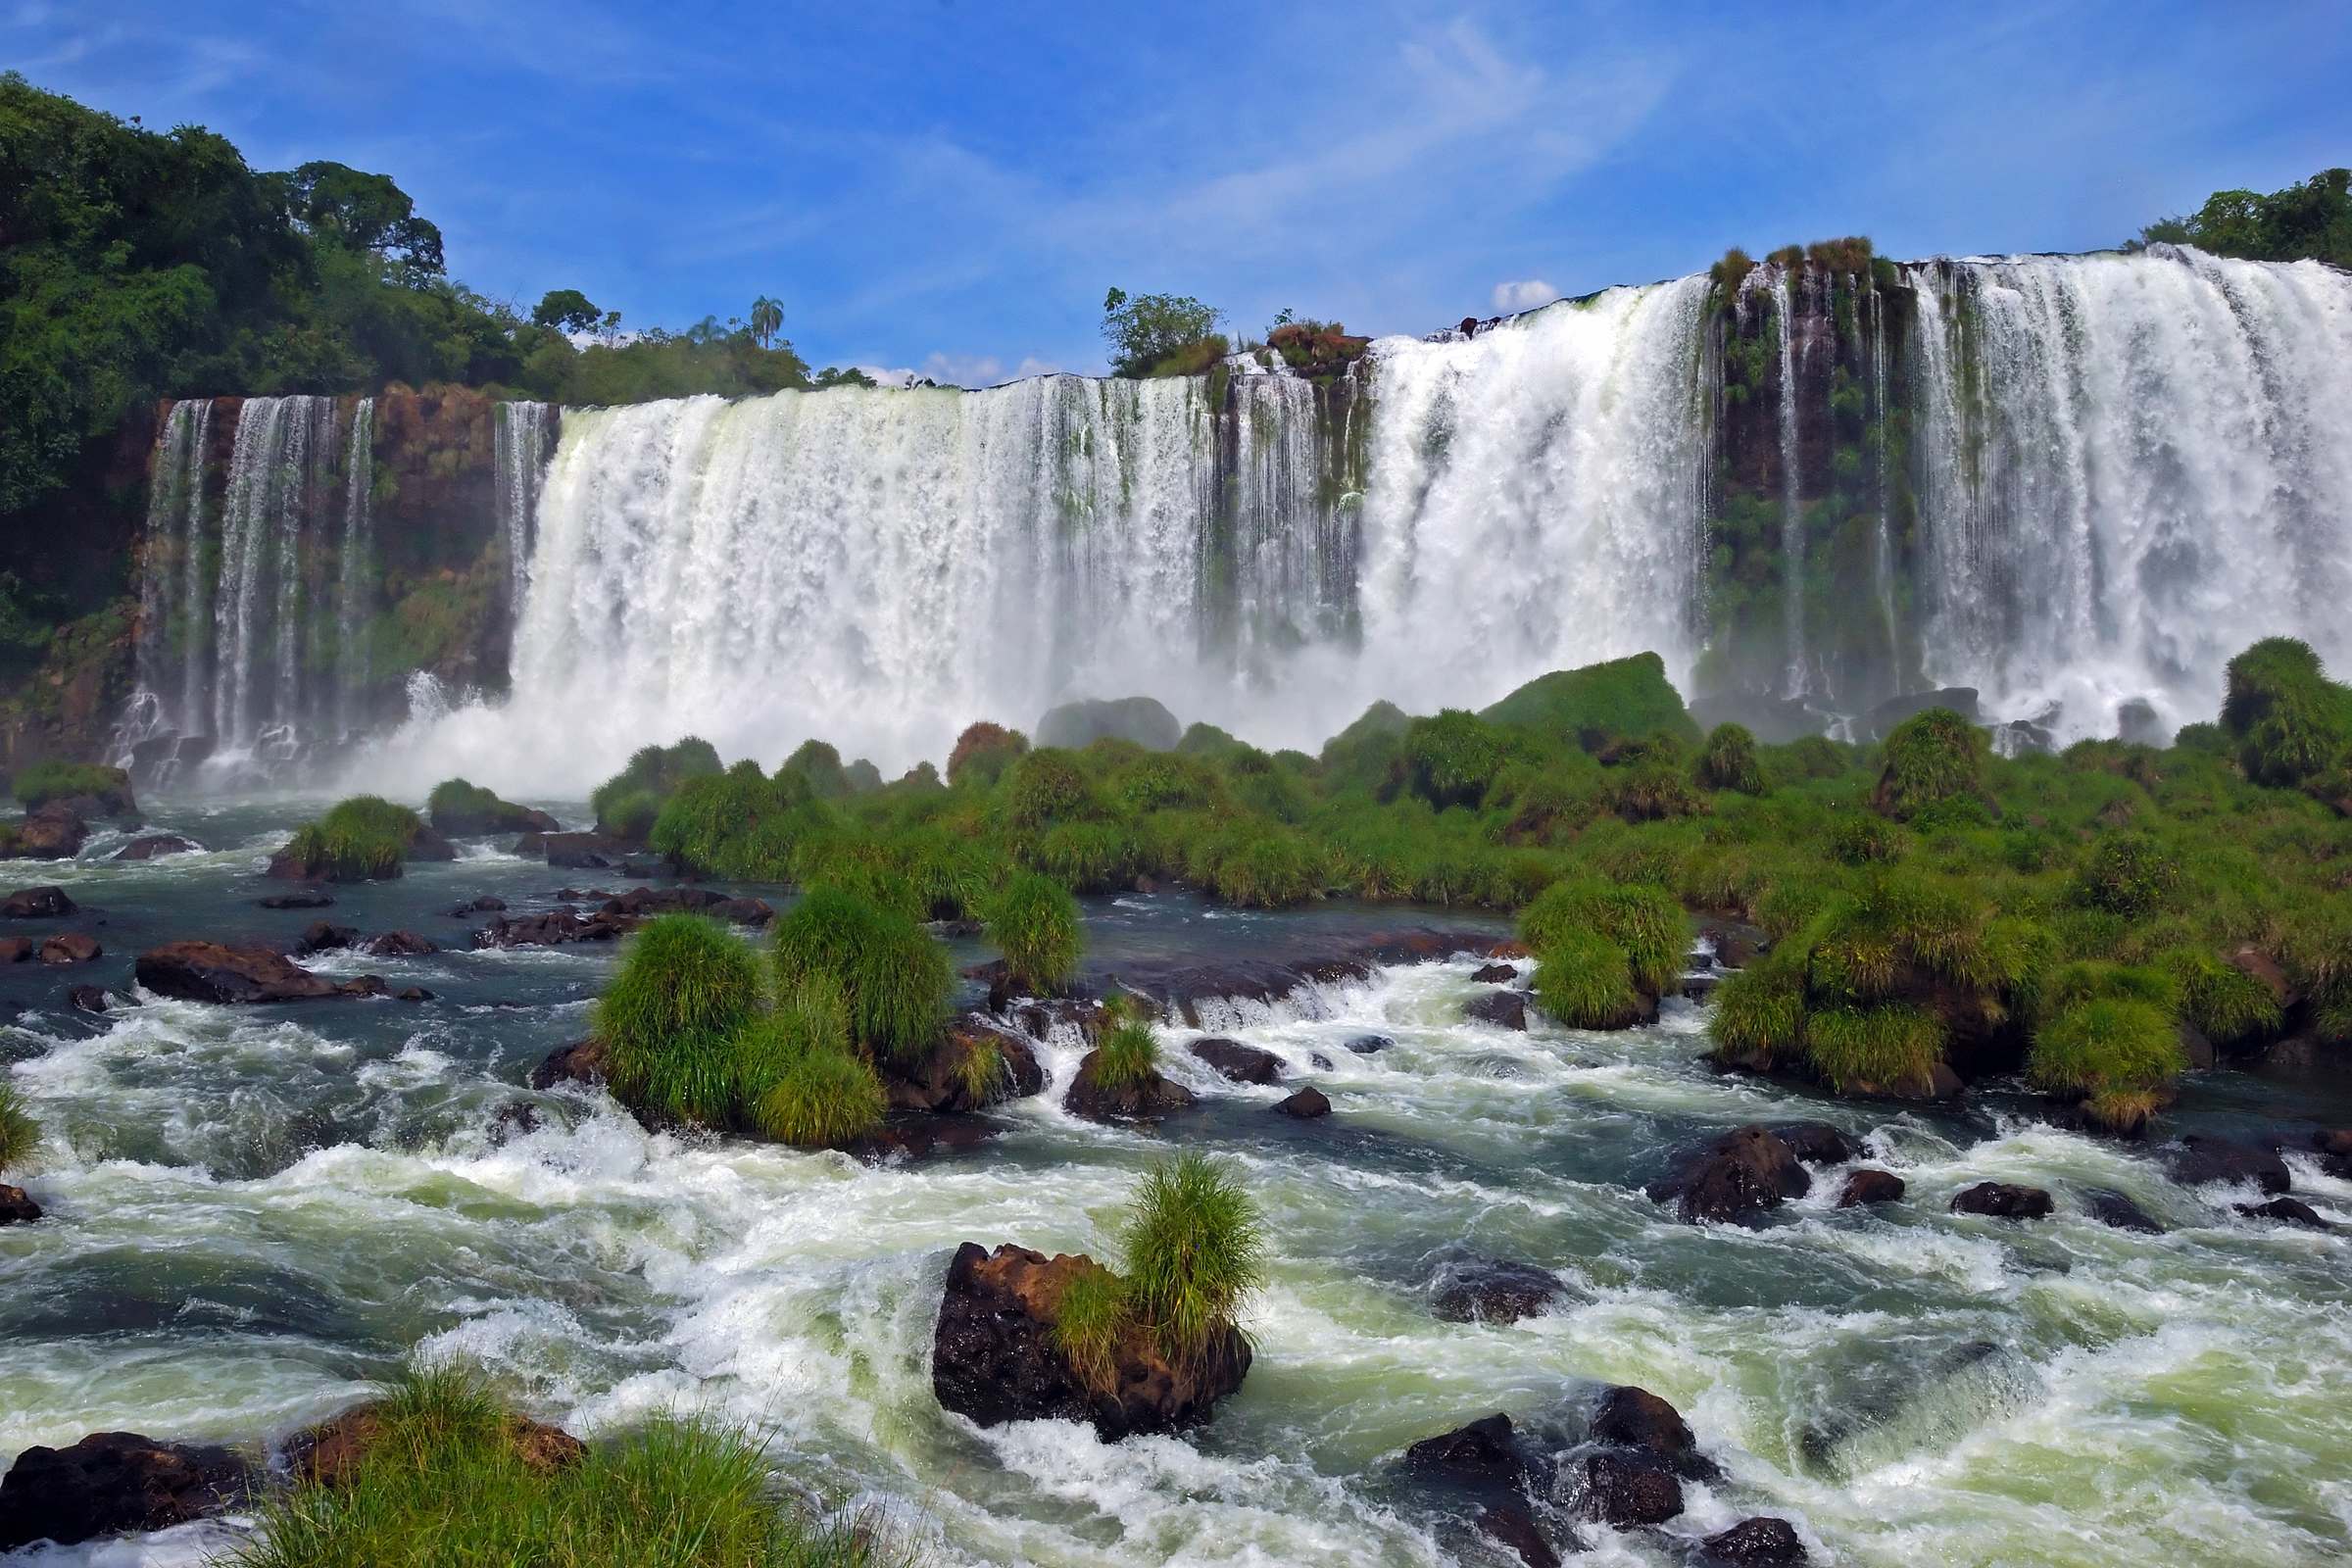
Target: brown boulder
x,y
155,844
1622,1487
1865,1187
1739,1174
955,1076
325,936
2003,1200
15,949
1153,1096
993,1358
1627,1417
581,1062
207,971
16,1208
1491,1290
1495,974
1504,1009
399,944
38,903
1307,1105
52,832
71,946
2287,1210
1242,1064
111,1482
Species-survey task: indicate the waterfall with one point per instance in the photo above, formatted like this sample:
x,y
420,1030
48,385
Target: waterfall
x,y
1792,516
2130,468
521,455
354,569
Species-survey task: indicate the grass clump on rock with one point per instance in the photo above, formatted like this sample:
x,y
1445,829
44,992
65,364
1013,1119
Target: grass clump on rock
x,y
674,1020
1888,1044
892,978
20,1134
1727,761
364,839
449,1480
467,811
1195,1246
1129,1055
38,783
1933,756
628,802
1643,920
1034,923
1585,980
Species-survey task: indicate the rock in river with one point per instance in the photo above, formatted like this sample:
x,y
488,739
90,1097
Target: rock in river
x,y
2003,1200
1243,1065
1148,1097
1491,1290
111,1482
16,1208
207,971
1739,1174
38,903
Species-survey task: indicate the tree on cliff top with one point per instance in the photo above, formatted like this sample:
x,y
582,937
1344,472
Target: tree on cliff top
x,y
2309,220
1161,334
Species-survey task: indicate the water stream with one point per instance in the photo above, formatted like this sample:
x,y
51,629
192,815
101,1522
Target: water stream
x,y
256,1212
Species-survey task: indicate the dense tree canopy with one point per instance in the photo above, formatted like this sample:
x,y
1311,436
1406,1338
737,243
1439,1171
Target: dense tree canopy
x,y
2309,220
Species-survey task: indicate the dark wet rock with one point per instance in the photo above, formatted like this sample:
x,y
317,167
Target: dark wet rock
x,y
1865,1187
1699,987
71,946
2200,1160
1817,1143
1505,1010
579,851
993,1357
487,903
1495,974
956,1075
1509,1524
1622,1487
1491,1290
16,1208
581,1062
1319,1061
1369,1045
1484,1452
38,903
2112,1208
111,1482
1143,720
2195,1047
641,904
2287,1210
399,944
516,1118
2334,1147
53,832
1243,1065
427,845
1307,1105
2003,1200
504,817
1091,1099
905,1140
365,985
296,900
557,926
87,999
1761,1540
1739,1174
16,950
207,971
1627,1417
415,994
325,936
1177,990
155,844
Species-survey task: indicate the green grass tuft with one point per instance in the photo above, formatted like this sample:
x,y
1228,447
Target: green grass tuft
x,y
1047,786
628,804
1727,761
893,978
1644,921
38,783
1089,1321
1129,1055
1194,1248
464,810
364,839
2220,1000
687,986
1034,923
1886,1047
1757,1015
1585,981
2105,1043
20,1134
1930,757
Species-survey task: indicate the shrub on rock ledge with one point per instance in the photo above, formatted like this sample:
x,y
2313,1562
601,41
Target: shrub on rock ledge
x,y
892,978
462,810
20,1134
364,839
1035,925
1932,756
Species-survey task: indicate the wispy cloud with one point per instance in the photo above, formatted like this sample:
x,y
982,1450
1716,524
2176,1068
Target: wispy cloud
x,y
1524,296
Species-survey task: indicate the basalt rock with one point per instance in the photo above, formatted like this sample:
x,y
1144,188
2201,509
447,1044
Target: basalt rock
x,y
1307,1105
581,1062
415,994
487,903
207,971
954,1077
38,903
2200,1160
1505,1010
86,999
1817,1143
365,985
1509,1524
71,946
155,844
1636,1419
325,936
993,1357
1486,1452
2003,1200
2113,1209
53,832
296,900
1242,1064
111,1482
1866,1187
1491,1290
1761,1540
580,851
1152,1096
16,1208
1622,1487
1178,990
16,950
2287,1210
1369,1045
1739,1174
399,944
644,902
557,926
2334,1146
1495,974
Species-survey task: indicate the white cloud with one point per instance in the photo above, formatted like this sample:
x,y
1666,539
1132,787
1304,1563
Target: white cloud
x,y
962,370
1524,296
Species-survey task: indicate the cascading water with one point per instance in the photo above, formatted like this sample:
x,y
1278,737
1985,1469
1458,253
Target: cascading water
x,y
1794,683
354,564
521,459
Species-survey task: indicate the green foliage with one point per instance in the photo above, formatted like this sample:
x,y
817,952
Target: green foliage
x,y
1129,1055
20,1134
1625,698
894,979
2311,219
1194,1248
2126,875
1730,273
628,804
1161,334
1045,786
1858,840
2220,1000
447,1484
2106,1042
1089,1321
982,754
800,1082
2289,720
1585,981
1930,757
459,809
687,987
1645,922
1034,923
1452,757
364,839
820,765
1727,761
733,824
39,783
1759,1014
1887,1046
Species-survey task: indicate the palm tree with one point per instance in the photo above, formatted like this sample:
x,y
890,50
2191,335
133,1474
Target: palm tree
x,y
767,319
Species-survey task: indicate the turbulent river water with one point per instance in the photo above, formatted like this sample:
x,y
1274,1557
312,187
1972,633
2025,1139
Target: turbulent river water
x,y
257,1212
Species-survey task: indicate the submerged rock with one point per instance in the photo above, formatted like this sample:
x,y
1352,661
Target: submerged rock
x,y
86,999
17,1207
2200,1160
956,1076
2112,1208
325,936
1369,1045
1739,1174
2003,1201
1633,1418
1505,1010
1497,974
155,844
16,950
1509,1524
296,900
2287,1210
1761,1540
993,1357
1817,1143
207,971
399,944
1153,1096
111,1482
1307,1105
1865,1187
71,946
38,903
1621,1487
1484,1452
1491,1290
557,926
1243,1065
581,1062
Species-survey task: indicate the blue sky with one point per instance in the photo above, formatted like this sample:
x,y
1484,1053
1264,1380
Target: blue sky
x,y
951,185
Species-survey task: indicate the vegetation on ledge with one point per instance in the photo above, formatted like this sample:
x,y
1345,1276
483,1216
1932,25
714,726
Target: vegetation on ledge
x,y
364,839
